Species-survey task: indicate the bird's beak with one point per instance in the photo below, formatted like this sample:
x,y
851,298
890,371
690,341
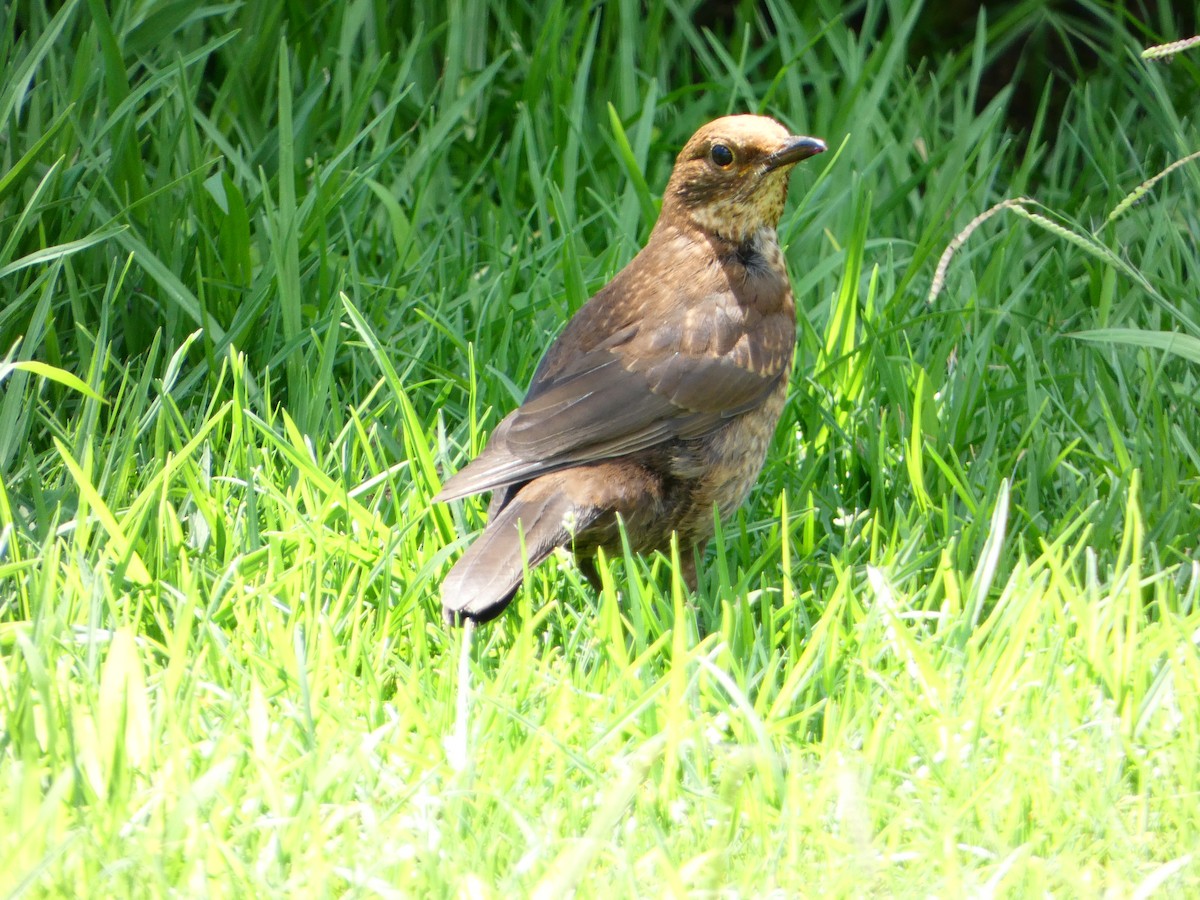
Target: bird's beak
x,y
796,149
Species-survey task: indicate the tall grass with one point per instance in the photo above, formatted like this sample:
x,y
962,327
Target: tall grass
x,y
268,273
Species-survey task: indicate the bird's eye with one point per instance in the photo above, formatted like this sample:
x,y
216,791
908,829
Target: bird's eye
x,y
721,155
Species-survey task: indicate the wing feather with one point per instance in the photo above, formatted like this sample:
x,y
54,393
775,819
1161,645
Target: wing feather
x,y
633,392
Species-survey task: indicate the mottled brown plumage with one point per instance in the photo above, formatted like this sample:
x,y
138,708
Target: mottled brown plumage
x,y
658,400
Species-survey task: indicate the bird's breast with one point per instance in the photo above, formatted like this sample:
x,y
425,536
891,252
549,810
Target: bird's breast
x,y
722,467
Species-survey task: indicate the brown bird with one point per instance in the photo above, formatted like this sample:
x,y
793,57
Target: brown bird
x,y
659,398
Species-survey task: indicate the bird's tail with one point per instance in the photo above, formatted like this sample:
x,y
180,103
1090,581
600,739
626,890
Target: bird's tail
x,y
538,519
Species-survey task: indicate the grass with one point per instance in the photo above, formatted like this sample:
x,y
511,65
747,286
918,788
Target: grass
x,y
268,273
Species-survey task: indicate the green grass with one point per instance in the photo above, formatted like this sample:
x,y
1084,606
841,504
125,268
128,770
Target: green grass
x,y
268,272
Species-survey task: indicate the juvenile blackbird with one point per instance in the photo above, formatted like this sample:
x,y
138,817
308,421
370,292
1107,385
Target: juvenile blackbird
x,y
659,398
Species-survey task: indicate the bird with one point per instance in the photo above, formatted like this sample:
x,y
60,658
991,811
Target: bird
x,y
658,399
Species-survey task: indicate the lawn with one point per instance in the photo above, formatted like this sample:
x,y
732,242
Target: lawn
x,y
269,273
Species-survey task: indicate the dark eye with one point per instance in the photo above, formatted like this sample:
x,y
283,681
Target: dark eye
x,y
721,155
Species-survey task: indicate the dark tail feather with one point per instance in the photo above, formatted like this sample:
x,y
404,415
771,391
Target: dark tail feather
x,y
486,577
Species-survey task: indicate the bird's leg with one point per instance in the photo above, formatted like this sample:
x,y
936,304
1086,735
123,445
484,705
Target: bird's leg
x,y
687,566
589,569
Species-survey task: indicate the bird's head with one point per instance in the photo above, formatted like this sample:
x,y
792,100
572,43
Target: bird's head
x,y
731,177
